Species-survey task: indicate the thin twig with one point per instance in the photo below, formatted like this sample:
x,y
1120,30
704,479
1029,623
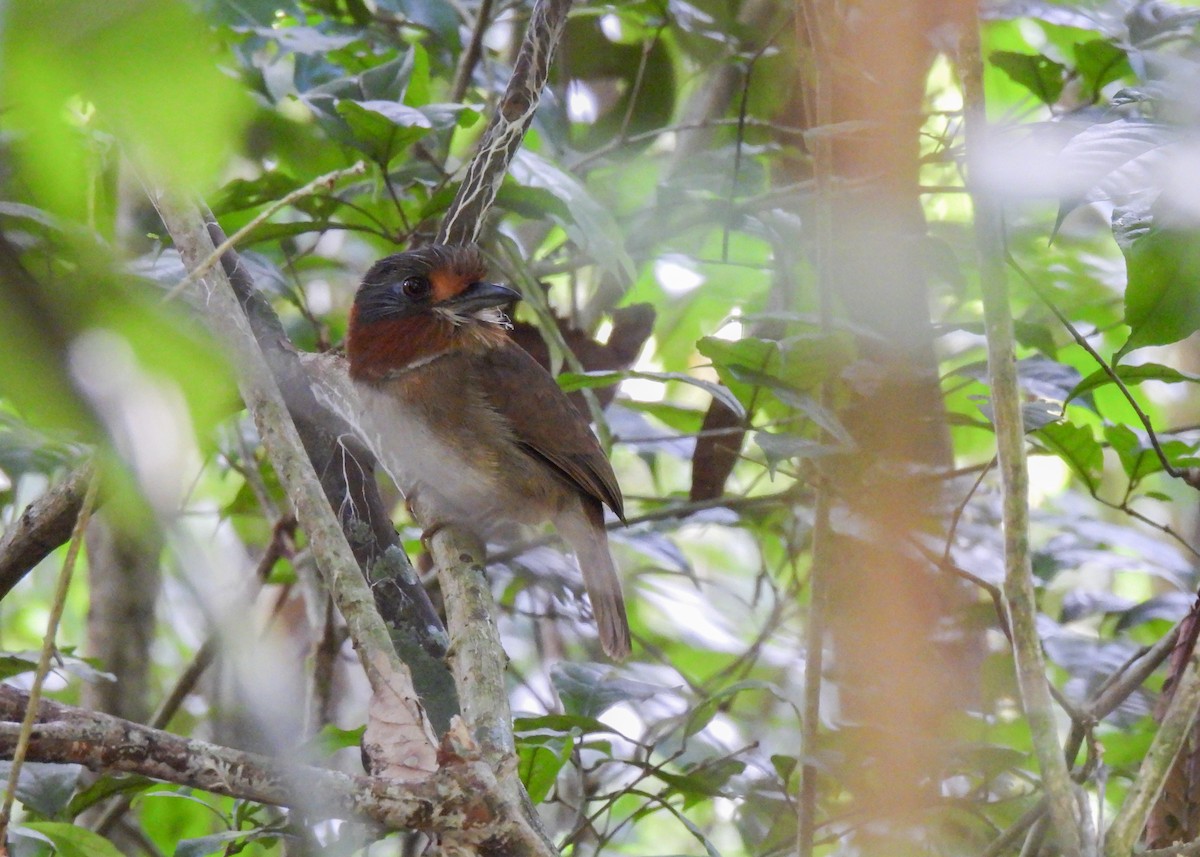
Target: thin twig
x,y
470,56
48,651
326,181
1082,342
811,29
1019,590
958,511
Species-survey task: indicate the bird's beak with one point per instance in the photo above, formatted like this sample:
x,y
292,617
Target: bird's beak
x,y
479,296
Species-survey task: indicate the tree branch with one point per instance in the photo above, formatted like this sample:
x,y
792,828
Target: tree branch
x,y
386,672
1010,446
44,525
346,470
459,799
506,130
1176,724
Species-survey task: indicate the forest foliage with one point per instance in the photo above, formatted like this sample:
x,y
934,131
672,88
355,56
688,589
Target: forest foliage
x,y
671,164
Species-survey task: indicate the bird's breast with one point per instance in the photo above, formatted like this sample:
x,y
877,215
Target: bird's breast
x,y
442,444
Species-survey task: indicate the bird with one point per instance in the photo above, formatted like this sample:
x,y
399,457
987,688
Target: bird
x,y
473,430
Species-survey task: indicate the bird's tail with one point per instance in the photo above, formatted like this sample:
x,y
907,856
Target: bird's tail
x,y
586,536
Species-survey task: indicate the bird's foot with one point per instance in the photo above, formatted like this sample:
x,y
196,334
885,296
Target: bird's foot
x,y
428,533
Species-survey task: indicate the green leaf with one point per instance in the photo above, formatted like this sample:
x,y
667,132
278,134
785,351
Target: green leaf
x,y
73,841
1114,161
1125,442
148,66
384,129
1162,298
589,225
588,690
784,766
681,419
540,758
1100,62
44,787
1130,375
704,781
571,381
760,355
779,447
1039,74
205,845
241,194
331,739
794,398
417,93
107,786
1077,446
561,723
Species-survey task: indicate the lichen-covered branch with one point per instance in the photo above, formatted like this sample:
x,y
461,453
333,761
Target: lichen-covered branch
x,y
385,671
1176,724
44,525
458,800
477,657
346,470
508,125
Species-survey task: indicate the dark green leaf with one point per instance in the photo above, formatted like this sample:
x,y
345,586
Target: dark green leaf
x,y
1040,75
560,723
105,787
44,787
1162,298
384,129
1100,62
588,690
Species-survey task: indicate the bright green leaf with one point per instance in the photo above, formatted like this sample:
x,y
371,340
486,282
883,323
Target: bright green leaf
x,y
150,69
70,840
1077,447
540,758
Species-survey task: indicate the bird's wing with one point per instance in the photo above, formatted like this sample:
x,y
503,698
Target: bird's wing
x,y
545,423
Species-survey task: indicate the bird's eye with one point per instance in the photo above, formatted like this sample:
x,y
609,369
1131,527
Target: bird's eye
x,y
415,288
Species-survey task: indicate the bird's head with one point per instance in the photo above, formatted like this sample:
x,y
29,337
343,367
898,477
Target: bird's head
x,y
414,307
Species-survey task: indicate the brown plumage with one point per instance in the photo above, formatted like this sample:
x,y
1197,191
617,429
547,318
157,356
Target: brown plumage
x,y
469,425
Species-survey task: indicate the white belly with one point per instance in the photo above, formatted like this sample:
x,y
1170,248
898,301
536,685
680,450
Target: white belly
x,y
428,471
